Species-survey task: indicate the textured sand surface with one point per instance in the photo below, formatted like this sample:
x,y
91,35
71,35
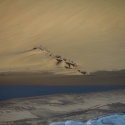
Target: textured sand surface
x,y
89,32
44,110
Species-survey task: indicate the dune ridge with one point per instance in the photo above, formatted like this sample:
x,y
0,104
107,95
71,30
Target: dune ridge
x,y
40,59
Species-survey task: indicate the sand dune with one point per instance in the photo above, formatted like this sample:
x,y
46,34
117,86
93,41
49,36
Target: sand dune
x,y
37,59
90,32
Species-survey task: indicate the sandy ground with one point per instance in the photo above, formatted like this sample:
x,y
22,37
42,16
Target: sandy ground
x,y
89,32
52,108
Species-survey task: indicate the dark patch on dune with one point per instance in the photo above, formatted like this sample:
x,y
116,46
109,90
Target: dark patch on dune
x,y
113,72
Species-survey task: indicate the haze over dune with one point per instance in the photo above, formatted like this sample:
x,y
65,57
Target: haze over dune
x,y
89,32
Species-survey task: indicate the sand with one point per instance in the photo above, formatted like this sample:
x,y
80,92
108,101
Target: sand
x,y
90,33
44,110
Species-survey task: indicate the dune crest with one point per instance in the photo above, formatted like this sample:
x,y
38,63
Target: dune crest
x,y
39,59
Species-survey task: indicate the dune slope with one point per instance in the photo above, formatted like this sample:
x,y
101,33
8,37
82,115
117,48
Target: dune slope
x,y
37,60
90,32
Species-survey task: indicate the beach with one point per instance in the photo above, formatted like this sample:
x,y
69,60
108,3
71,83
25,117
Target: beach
x,y
61,107
61,60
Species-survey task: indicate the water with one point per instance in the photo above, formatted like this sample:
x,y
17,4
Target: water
x,y
112,119
8,92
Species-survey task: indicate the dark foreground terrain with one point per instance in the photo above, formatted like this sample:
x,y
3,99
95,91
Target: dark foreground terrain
x,y
50,79
44,110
